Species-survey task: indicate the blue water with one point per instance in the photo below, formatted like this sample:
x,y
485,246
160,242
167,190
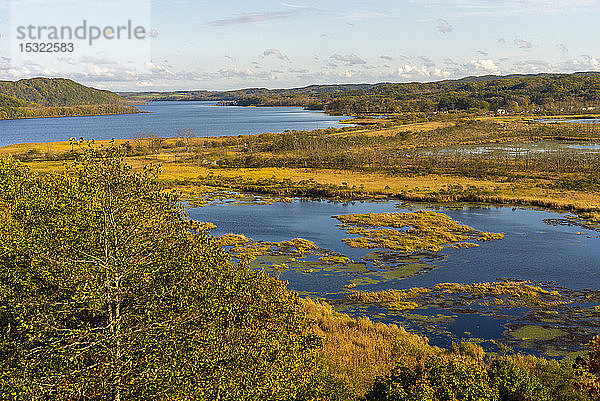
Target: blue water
x,y
576,121
532,249
164,119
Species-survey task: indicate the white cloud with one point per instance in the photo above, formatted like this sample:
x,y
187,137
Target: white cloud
x,y
349,59
461,8
482,66
251,17
298,71
422,72
276,53
581,64
97,60
530,67
523,44
444,26
158,69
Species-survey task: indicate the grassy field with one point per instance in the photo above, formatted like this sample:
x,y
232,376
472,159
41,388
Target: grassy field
x,y
534,192
365,161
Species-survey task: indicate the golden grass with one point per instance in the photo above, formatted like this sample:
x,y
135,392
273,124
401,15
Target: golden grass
x,y
48,147
246,249
518,289
426,231
233,239
397,300
526,192
507,294
592,217
414,127
360,349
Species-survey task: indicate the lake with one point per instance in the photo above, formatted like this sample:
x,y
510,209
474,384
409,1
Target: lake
x,y
540,246
572,121
521,149
164,119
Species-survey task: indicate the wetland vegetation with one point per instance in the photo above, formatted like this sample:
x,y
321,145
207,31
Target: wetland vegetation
x,y
365,288
421,231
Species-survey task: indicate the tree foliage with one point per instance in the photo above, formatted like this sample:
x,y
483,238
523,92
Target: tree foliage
x,y
545,93
56,97
107,291
57,92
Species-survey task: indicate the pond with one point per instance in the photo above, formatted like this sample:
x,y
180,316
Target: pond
x,y
521,149
571,121
539,246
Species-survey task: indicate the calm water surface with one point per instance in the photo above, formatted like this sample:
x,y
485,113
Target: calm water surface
x,y
575,120
165,119
533,249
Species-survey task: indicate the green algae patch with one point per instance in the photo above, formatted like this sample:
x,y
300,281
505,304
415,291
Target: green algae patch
x,y
421,231
533,332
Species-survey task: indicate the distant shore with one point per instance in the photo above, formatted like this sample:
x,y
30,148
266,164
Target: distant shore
x,y
77,111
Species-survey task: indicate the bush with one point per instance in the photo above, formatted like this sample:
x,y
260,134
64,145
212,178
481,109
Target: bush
x,y
441,377
515,383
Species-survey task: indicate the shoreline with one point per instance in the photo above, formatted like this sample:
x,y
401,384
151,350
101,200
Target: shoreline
x,y
80,115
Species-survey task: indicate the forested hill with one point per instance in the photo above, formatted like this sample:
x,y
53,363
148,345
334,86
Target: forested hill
x,y
55,97
543,93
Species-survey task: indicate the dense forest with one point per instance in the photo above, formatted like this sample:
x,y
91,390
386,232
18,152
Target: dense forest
x,y
543,94
56,97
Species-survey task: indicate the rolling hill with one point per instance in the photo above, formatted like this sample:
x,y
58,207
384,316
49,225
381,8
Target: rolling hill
x,y
541,93
57,97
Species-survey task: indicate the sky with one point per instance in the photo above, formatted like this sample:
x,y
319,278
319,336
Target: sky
x,y
222,45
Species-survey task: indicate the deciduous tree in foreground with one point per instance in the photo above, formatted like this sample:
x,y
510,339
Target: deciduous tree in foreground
x,y
108,292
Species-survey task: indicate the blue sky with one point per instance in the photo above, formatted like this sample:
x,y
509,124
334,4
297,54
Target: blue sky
x,y
237,44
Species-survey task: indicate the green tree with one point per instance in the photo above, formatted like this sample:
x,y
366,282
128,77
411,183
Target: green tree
x,y
440,378
108,292
516,383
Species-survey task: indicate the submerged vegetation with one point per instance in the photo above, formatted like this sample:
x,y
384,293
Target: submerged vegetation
x,y
550,317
